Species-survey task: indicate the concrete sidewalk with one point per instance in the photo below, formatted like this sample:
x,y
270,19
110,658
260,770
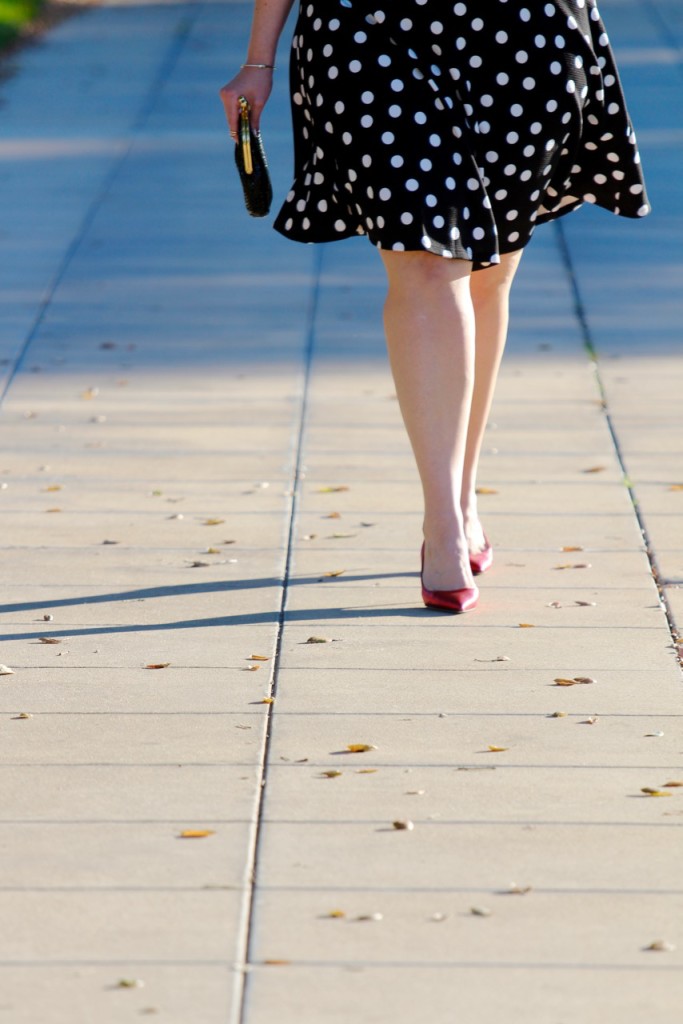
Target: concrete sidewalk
x,y
202,461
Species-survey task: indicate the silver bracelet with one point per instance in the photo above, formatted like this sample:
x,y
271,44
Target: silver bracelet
x,y
271,66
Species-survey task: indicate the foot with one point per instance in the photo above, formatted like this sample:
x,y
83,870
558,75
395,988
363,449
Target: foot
x,y
447,565
474,531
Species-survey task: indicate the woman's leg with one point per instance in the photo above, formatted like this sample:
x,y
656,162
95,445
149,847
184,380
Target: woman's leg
x,y
430,329
490,290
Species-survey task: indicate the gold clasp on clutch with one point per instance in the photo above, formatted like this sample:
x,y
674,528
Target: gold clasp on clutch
x,y
245,135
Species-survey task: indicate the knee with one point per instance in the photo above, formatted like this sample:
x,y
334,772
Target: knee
x,y
424,271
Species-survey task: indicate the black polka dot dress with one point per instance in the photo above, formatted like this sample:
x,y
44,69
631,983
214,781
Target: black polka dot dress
x,y
454,127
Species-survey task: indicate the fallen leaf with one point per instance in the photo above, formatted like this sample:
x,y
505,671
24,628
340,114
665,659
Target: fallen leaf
x,y
577,680
213,551
648,791
22,714
676,487
276,963
403,826
196,833
589,721
53,510
48,618
197,564
526,625
258,657
660,946
333,515
5,670
336,913
496,750
415,792
584,679
309,536
654,735
161,664
517,890
371,771
572,547
318,640
594,469
360,748
105,542
333,490
558,714
342,536
130,983
213,522
673,785
268,700
575,565
370,917
49,640
586,604
90,393
486,490
52,487
251,668
480,911
332,773
335,572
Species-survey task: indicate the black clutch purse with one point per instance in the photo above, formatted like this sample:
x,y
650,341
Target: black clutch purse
x,y
252,165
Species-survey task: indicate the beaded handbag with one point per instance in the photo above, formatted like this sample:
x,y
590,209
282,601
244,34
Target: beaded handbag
x,y
250,157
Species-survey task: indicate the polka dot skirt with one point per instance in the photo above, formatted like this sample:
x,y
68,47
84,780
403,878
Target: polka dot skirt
x,y
454,127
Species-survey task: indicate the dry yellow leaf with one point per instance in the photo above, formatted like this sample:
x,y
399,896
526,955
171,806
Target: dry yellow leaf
x,y
335,572
196,833
676,487
486,490
496,750
518,890
589,721
161,664
574,565
673,785
258,657
648,791
660,946
48,640
558,714
276,963
333,515
576,681
130,983
268,700
360,748
213,551
342,536
594,469
337,913
23,714
333,490
52,487
252,668
53,510
526,625
371,771
332,773
572,547
213,522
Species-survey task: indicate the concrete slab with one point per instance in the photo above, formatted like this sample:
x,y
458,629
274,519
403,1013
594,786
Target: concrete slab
x,y
304,994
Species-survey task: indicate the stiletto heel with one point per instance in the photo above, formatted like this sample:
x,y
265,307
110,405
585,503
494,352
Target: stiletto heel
x,y
482,560
447,600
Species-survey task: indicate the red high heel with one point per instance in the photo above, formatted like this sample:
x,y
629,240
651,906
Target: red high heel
x,y
482,560
447,600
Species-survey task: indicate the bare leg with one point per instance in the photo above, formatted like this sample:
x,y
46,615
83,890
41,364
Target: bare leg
x,y
490,290
430,329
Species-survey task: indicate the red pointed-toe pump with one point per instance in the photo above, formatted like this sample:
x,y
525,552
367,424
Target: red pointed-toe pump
x,y
447,600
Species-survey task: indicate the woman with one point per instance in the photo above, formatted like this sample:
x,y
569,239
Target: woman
x,y
445,132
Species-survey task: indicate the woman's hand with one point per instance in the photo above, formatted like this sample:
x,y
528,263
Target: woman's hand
x,y
255,84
